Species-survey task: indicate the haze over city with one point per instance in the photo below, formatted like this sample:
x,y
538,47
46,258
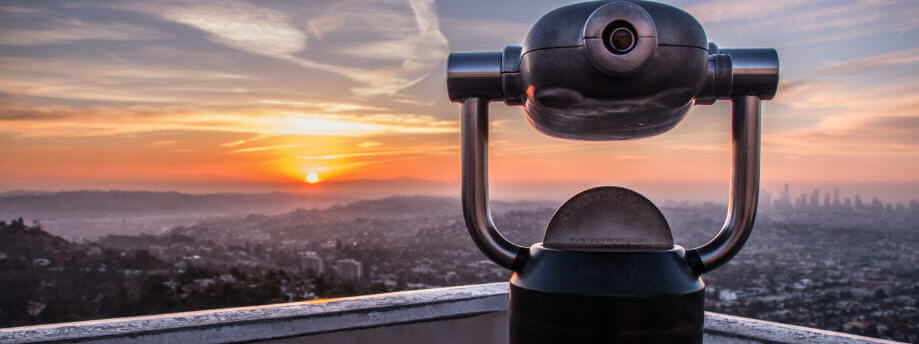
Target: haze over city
x,y
281,165
237,96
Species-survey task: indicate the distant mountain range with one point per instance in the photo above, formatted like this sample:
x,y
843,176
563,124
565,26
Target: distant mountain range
x,y
130,203
78,215
88,214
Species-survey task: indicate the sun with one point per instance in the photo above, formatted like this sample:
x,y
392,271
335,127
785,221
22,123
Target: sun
x,y
312,177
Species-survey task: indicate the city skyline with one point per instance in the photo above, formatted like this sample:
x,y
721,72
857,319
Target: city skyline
x,y
816,200
243,96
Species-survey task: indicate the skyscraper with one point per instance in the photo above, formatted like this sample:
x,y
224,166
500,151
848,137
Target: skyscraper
x,y
814,203
783,204
765,200
801,203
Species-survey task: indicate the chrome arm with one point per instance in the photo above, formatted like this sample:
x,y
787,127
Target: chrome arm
x,y
745,137
475,189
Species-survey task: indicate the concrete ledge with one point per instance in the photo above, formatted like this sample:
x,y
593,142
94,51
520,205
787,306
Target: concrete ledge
x,y
723,328
464,314
259,323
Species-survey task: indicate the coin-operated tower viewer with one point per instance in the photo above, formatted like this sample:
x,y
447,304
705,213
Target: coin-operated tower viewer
x,y
608,270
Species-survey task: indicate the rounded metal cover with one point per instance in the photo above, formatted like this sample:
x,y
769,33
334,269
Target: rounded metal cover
x,y
627,16
574,86
608,218
564,26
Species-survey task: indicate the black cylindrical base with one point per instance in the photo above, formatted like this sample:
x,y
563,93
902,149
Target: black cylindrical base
x,y
606,297
539,317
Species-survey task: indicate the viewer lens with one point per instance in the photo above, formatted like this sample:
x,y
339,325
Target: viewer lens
x,y
620,38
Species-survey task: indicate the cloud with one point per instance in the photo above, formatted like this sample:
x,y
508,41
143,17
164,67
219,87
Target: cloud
x,y
18,9
117,80
264,148
323,106
413,43
88,70
483,34
368,144
426,150
874,64
50,121
237,24
20,112
391,45
801,23
879,135
854,99
727,10
69,31
880,121
907,124
332,19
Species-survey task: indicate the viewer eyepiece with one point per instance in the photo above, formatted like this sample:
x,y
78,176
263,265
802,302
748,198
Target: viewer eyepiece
x,y
619,38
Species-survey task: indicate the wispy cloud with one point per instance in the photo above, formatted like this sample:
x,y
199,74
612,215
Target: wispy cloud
x,y
323,106
427,150
369,144
727,10
877,63
879,121
255,29
101,121
18,9
414,43
810,21
106,80
69,31
816,95
265,148
87,70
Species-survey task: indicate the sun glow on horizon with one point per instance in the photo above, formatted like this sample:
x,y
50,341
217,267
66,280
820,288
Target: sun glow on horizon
x,y
312,178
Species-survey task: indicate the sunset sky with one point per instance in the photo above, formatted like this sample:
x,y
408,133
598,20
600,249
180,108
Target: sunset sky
x,y
231,95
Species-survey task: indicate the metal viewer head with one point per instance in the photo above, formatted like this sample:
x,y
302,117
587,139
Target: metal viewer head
x,y
610,70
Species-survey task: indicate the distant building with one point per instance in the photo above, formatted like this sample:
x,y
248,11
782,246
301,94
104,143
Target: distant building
x,y
815,200
765,200
877,207
801,203
312,263
783,204
349,269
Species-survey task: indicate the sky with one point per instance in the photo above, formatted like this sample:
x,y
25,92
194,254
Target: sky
x,y
230,95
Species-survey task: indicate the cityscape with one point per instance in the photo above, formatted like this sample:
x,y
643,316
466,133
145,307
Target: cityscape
x,y
820,261
179,156
816,202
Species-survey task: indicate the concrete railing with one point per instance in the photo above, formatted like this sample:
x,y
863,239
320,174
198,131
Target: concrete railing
x,y
464,314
